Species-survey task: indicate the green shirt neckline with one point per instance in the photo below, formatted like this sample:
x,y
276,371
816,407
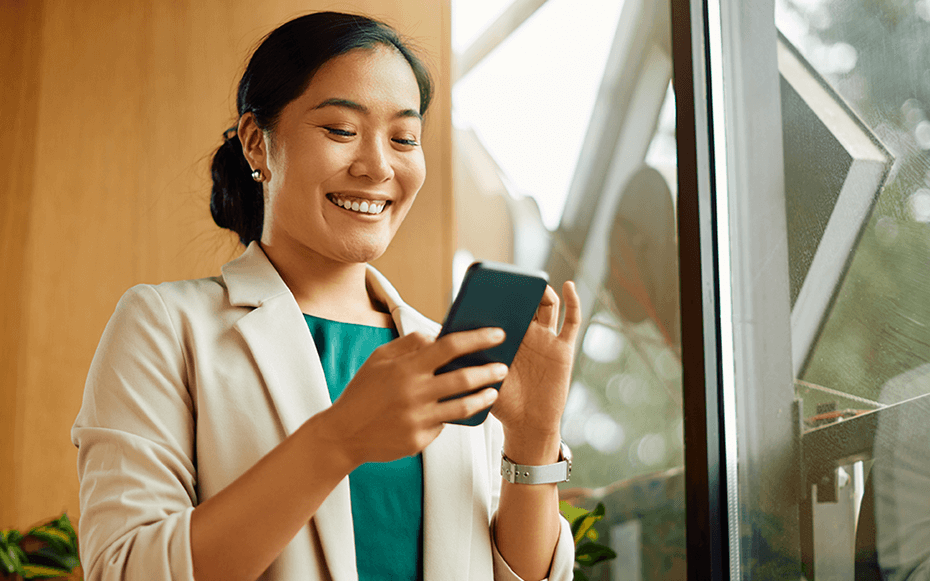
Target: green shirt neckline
x,y
386,498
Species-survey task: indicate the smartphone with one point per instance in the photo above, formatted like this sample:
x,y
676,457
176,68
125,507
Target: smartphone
x,y
493,295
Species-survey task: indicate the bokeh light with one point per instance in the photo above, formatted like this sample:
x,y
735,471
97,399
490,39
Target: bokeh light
x,y
651,449
602,344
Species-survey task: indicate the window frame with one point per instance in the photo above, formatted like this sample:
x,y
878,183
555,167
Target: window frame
x,y
707,534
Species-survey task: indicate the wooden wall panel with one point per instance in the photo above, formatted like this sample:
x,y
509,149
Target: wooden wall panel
x,y
117,109
20,23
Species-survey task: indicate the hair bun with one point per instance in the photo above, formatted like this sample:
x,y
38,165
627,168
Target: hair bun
x,y
237,201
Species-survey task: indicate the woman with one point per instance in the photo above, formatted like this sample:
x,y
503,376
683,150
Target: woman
x,y
226,419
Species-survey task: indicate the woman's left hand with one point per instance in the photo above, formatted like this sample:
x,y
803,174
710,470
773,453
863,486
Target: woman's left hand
x,y
533,395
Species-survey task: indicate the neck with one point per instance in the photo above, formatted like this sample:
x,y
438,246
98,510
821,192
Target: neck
x,y
327,288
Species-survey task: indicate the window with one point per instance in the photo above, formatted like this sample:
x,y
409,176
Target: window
x,y
811,181
565,148
788,166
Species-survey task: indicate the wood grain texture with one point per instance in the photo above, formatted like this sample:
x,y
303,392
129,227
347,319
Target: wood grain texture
x,y
19,52
116,110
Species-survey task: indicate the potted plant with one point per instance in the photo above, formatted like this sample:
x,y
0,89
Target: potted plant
x,y
46,551
588,552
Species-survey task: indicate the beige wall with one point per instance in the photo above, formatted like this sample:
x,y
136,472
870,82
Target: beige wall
x,y
114,111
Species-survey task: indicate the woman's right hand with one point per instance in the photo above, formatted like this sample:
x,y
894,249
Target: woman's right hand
x,y
392,406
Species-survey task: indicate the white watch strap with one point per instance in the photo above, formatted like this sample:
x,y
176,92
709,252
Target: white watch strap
x,y
561,471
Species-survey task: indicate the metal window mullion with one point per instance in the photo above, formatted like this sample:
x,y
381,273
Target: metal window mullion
x,y
756,380
707,532
726,380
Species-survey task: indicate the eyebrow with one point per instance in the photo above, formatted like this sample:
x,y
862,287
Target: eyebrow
x,y
348,104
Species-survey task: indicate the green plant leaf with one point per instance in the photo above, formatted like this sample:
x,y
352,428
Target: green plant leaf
x,y
571,512
584,520
54,538
64,524
47,532
18,555
10,537
42,572
584,525
10,561
64,560
592,553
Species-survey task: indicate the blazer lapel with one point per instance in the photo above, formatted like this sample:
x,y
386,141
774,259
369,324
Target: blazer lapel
x,y
283,350
449,489
280,342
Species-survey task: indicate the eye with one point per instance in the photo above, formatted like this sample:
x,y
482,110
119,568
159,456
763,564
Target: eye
x,y
407,142
339,132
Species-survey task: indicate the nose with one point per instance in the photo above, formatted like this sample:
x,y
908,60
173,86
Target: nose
x,y
373,161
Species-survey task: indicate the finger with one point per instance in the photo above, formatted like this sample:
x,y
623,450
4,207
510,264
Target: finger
x,y
454,345
468,379
572,322
465,407
548,312
407,344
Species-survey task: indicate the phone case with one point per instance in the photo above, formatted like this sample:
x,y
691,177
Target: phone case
x,y
493,295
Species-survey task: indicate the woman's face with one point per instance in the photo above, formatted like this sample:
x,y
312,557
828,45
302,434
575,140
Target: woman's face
x,y
351,139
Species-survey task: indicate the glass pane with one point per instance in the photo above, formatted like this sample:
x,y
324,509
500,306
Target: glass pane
x,y
565,149
855,96
530,101
875,343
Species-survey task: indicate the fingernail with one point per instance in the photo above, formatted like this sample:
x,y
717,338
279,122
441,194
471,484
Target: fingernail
x,y
500,370
497,334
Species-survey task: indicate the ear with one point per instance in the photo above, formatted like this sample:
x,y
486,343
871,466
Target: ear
x,y
253,143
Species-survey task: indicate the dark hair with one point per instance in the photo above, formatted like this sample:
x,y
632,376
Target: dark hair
x,y
278,72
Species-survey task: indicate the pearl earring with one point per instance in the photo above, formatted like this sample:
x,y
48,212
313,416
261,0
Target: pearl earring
x,y
257,175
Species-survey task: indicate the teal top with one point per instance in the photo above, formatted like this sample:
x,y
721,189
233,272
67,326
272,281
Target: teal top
x,y
387,498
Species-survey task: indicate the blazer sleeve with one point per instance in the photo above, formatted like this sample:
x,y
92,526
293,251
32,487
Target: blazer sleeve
x,y
563,559
135,439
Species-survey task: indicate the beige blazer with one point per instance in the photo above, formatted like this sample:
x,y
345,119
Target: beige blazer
x,y
194,381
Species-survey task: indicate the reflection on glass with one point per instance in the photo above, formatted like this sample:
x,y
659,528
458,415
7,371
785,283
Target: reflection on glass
x,y
862,348
893,541
531,100
565,138
863,370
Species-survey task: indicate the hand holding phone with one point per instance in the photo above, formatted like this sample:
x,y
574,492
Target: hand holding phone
x,y
493,295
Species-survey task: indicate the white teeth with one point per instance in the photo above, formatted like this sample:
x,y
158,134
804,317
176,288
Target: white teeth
x,y
372,208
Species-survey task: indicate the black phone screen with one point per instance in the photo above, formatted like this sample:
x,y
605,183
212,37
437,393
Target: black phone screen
x,y
493,295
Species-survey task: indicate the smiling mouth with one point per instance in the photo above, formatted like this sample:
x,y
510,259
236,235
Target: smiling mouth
x,y
357,205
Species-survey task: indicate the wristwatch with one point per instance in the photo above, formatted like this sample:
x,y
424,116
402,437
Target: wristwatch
x,y
561,471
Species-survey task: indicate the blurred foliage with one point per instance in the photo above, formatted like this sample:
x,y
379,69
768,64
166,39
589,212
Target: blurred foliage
x,y
648,510
47,551
588,552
